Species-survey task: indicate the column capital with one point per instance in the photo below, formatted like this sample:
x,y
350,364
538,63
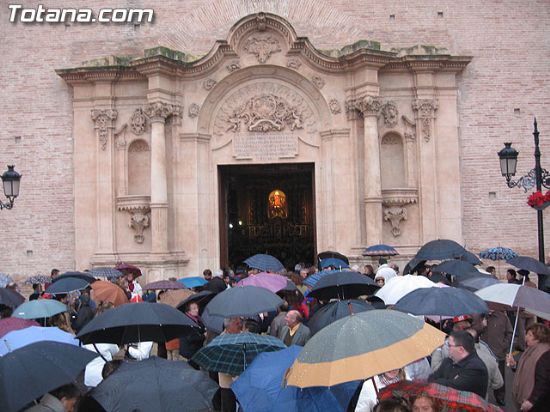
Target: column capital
x,y
159,111
425,107
368,105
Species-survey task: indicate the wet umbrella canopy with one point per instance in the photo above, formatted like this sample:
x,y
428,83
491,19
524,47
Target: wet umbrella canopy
x,y
265,262
40,308
440,249
530,264
457,268
343,285
10,298
243,301
333,311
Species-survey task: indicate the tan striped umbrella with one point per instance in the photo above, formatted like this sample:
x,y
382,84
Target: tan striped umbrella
x,y
362,345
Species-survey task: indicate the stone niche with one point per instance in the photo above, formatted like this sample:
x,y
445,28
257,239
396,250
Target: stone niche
x,y
379,126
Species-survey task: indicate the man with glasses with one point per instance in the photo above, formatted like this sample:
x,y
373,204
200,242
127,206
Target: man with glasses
x,y
463,369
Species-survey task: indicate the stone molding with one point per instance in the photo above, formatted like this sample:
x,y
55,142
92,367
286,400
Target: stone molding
x,y
103,121
425,113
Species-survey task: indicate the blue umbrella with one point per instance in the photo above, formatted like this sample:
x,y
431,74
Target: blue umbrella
x,y
441,301
67,285
478,282
232,353
440,249
40,308
265,263
333,311
457,268
311,280
10,297
530,264
498,253
38,279
259,388
243,301
5,280
106,272
380,250
337,263
23,337
193,281
343,285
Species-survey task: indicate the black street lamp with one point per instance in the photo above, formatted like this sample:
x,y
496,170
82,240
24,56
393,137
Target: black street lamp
x,y
537,177
10,180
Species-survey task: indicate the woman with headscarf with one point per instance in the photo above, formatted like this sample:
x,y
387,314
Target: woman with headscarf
x,y
384,274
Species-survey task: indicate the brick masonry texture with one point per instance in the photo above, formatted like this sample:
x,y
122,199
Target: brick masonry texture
x,y
508,39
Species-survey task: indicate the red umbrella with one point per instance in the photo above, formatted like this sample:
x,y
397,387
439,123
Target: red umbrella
x,y
126,269
10,324
451,399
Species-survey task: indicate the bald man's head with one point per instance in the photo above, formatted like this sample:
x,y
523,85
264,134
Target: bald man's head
x,y
293,317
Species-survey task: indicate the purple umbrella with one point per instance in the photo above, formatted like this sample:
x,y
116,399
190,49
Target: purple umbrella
x,y
268,281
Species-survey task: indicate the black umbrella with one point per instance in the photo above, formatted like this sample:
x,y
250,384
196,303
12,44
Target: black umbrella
x,y
10,298
376,302
243,301
77,275
458,268
530,264
478,282
333,311
413,266
33,370
447,301
201,298
66,285
136,322
470,258
213,323
106,272
343,285
264,262
331,254
440,249
155,384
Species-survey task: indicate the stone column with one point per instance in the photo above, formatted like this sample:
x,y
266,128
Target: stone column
x,y
158,113
104,125
424,110
370,106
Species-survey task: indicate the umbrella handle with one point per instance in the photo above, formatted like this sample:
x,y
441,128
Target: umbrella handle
x,y
515,325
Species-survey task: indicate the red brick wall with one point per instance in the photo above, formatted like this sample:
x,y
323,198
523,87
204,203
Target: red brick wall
x,y
509,42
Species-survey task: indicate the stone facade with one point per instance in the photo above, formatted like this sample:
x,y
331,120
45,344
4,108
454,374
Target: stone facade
x,y
83,140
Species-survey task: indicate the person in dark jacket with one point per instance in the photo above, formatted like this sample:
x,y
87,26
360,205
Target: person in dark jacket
x,y
463,369
216,284
84,313
193,339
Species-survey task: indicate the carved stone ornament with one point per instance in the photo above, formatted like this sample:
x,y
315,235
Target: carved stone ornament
x,y
138,122
139,221
293,63
334,106
103,120
264,107
209,84
390,114
194,110
391,139
139,210
265,113
318,82
231,67
394,215
426,112
262,47
368,106
160,110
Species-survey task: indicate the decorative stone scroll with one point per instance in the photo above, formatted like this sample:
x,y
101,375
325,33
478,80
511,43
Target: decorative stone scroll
x,y
334,106
140,214
138,122
231,67
161,111
262,47
425,112
394,215
209,84
395,202
103,120
390,114
318,82
293,63
194,110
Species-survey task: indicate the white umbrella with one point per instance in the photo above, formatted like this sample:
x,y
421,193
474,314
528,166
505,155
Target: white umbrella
x,y
399,286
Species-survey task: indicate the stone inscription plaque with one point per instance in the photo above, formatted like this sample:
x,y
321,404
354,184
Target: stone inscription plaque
x,y
264,147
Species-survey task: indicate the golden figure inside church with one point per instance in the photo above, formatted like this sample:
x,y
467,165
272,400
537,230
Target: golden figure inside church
x,y
277,206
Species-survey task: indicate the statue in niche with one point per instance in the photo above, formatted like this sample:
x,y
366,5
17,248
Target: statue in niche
x,y
277,206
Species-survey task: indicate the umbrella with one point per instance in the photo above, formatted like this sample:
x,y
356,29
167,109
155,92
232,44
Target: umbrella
x,y
161,385
470,258
413,266
244,301
75,275
40,308
38,279
399,286
497,253
193,281
530,264
106,272
361,346
264,262
478,282
269,281
380,250
201,298
126,269
174,297
447,301
259,387
5,280
105,291
232,353
458,268
331,254
30,372
213,323
136,322
66,285
337,263
333,311
290,287
10,324
10,298
440,249
23,337
312,279
451,399
164,285
343,285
